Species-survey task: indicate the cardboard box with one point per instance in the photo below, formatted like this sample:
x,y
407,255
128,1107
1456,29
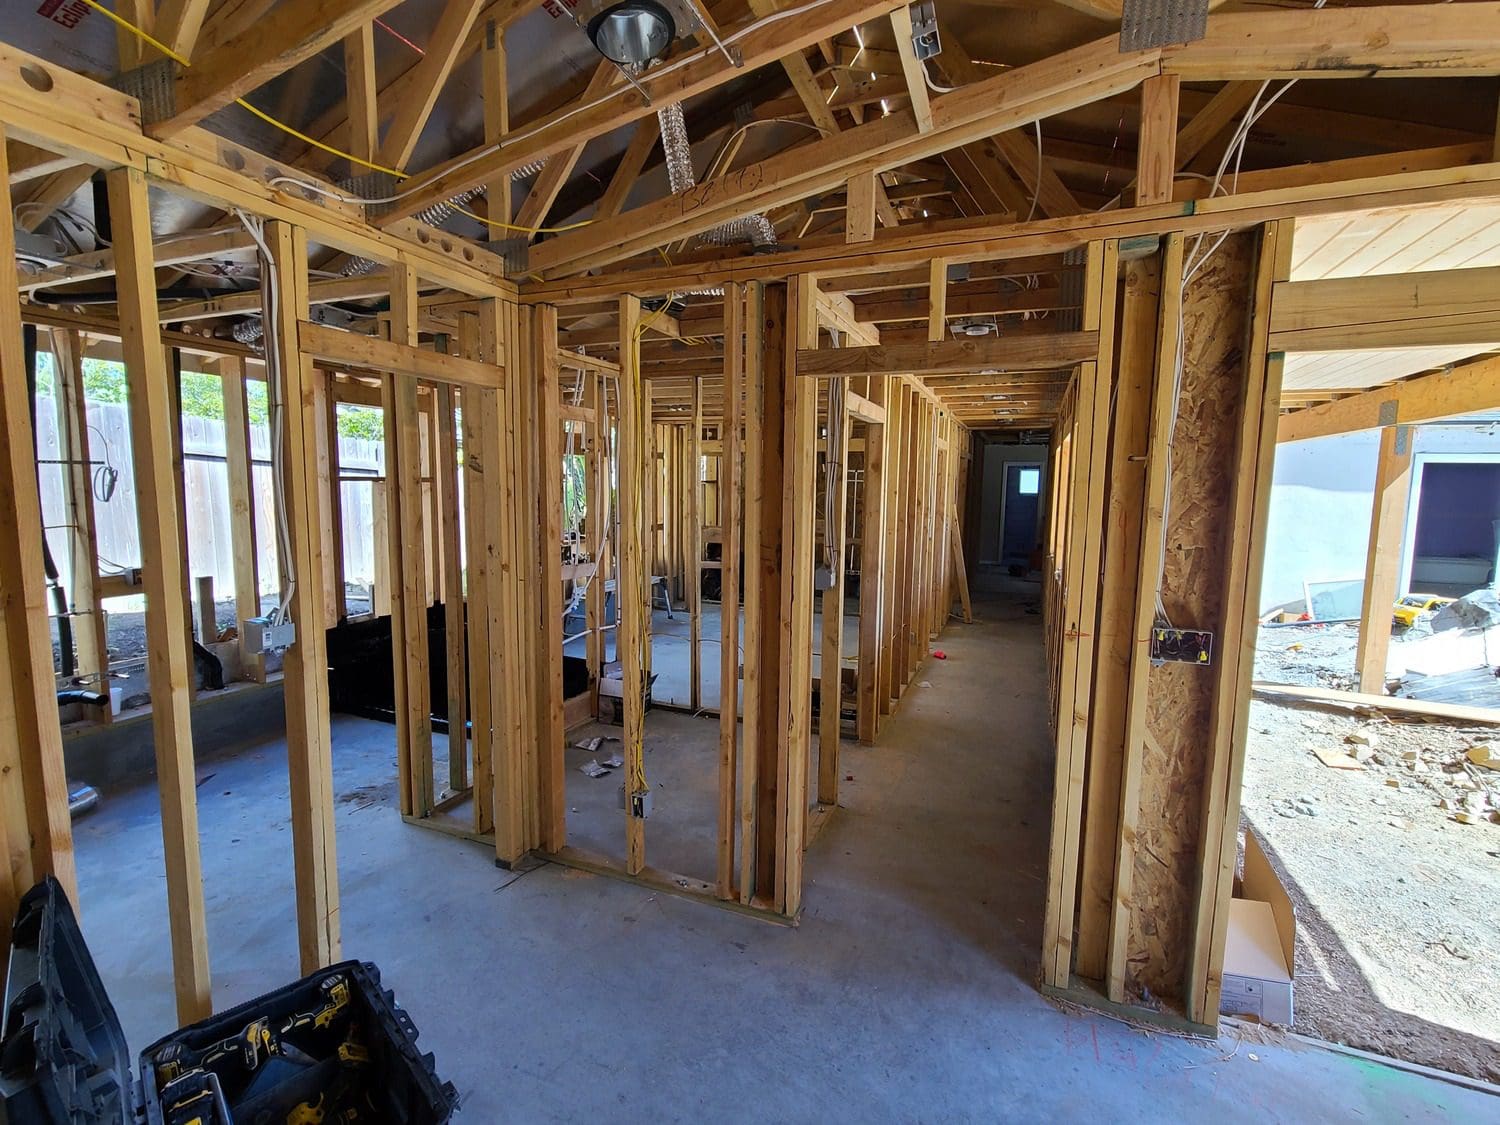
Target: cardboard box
x,y
1260,945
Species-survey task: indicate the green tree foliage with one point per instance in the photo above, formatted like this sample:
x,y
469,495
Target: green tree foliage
x,y
202,396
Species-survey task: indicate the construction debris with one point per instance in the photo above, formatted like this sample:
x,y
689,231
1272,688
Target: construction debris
x,y
1337,759
1479,610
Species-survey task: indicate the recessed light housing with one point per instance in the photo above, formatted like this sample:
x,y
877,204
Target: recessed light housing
x,y
633,32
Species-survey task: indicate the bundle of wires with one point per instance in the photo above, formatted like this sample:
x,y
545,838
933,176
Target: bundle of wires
x,y
1196,258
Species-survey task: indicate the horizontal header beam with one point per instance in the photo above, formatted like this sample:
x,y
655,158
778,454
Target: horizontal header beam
x,y
985,239
952,357
1406,310
1469,389
677,80
334,345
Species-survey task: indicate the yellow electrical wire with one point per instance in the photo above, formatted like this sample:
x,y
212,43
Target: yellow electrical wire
x,y
636,753
511,226
330,149
147,37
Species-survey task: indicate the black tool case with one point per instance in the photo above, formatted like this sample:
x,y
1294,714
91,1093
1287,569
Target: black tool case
x,y
331,1049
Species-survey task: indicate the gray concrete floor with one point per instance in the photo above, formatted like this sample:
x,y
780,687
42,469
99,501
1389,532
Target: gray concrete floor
x,y
906,994
672,646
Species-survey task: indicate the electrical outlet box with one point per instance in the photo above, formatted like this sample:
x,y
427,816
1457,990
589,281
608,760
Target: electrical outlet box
x,y
263,636
924,30
822,578
1187,646
639,803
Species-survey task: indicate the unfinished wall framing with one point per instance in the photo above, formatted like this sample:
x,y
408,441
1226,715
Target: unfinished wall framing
x,y
778,424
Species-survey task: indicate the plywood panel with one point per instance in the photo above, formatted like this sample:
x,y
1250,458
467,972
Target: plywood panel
x,y
1180,696
1316,371
1392,240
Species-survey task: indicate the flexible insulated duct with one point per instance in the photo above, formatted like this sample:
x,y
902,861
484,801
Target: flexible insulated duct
x,y
250,330
754,229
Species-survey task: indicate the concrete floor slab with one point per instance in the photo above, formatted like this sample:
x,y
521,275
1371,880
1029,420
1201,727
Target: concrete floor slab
x,y
906,994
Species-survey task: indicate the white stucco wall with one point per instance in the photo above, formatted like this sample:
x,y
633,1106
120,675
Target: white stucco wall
x,y
1319,522
996,457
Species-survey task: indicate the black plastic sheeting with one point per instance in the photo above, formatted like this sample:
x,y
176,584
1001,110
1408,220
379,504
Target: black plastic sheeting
x,y
361,679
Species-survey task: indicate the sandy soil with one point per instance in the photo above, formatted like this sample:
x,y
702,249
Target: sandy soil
x,y
1397,900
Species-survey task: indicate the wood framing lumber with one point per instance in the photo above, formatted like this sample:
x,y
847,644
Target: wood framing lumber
x,y
1440,307
692,484
446,509
549,632
642,140
1086,511
557,170
872,560
93,124
179,22
361,97
1389,41
937,301
837,312
763,326
1044,190
795,616
957,357
429,78
863,409
250,301
406,551
913,68
332,125
1225,107
699,71
731,423
1148,572
229,68
369,353
1388,704
1335,171
1156,157
168,663
961,570
1130,418
37,831
1383,556
1255,457
1469,388
1008,100
305,675
494,65
632,590
992,238
238,470
816,104
859,221
190,247
89,639
831,664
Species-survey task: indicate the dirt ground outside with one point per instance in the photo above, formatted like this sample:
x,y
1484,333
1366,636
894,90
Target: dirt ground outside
x,y
1397,899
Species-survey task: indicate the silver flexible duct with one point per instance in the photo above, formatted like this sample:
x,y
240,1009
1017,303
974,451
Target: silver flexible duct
x,y
676,148
755,229
250,330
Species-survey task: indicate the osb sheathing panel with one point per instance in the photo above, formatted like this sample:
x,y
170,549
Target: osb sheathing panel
x,y
1175,759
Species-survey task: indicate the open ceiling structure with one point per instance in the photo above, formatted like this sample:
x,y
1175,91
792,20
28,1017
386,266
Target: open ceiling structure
x,y
512,132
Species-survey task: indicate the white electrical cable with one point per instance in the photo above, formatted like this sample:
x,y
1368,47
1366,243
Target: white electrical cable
x,y
1193,263
551,123
272,283
1036,193
933,86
